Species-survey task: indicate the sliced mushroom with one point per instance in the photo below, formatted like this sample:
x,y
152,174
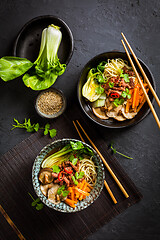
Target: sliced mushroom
x,y
120,118
52,194
45,188
45,175
128,115
99,113
116,114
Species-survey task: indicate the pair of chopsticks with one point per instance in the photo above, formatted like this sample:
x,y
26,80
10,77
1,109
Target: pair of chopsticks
x,y
105,163
145,77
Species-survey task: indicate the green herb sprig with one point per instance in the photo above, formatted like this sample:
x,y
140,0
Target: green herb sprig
x,y
99,90
126,94
79,175
118,101
62,191
36,203
73,159
34,127
126,77
115,151
111,84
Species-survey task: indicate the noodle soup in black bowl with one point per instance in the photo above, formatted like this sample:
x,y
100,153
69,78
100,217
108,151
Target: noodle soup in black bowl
x,y
48,177
86,104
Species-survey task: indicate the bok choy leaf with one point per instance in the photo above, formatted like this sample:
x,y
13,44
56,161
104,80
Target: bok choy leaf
x,y
47,66
13,67
44,71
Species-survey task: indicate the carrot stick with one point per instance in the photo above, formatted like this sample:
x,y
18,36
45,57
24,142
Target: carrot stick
x,y
81,186
134,97
127,106
137,97
72,194
83,189
70,202
88,189
80,191
89,185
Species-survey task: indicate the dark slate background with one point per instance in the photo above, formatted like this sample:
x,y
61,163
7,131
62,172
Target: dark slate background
x,y
96,27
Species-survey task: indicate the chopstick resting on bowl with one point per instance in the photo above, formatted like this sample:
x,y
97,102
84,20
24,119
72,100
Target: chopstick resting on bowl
x,y
105,183
138,77
104,161
142,71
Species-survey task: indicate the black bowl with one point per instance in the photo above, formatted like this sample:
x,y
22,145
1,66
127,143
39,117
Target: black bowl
x,y
28,41
112,123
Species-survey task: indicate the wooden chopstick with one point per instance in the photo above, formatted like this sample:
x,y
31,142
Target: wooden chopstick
x,y
105,163
105,183
110,192
142,71
11,223
144,91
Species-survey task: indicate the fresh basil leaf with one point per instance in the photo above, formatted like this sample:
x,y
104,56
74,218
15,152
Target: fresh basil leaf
x,y
99,90
111,84
52,132
13,67
56,169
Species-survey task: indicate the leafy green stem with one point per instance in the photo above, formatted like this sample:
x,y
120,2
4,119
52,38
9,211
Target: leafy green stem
x,y
35,127
115,151
31,196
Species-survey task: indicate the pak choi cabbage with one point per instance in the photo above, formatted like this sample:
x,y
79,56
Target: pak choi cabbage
x,y
44,71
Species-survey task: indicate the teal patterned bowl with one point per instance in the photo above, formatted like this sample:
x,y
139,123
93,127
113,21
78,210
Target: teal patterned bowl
x,y
62,207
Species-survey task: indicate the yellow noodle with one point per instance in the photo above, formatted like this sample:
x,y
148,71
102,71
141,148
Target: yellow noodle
x,y
88,167
113,67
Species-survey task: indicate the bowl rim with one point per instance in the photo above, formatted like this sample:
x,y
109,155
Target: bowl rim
x,y
60,112
44,17
101,124
43,198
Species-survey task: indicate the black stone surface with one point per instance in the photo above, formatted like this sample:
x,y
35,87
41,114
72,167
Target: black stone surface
x,y
96,27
